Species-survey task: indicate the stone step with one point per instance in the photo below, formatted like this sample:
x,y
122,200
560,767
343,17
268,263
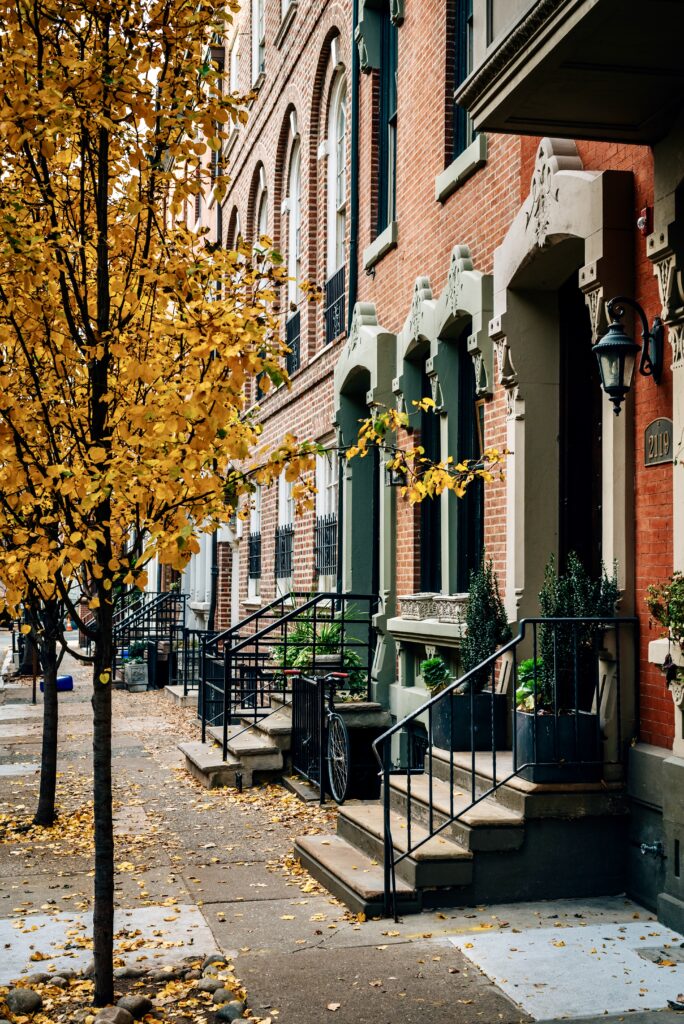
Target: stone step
x,y
532,800
486,825
276,727
176,695
438,861
204,762
249,746
352,876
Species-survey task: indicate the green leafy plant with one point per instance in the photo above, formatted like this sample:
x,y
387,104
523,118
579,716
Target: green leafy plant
x,y
306,639
136,652
486,624
574,594
665,602
435,673
524,694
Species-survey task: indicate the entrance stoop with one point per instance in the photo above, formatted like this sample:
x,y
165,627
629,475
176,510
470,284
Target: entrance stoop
x,y
256,751
526,841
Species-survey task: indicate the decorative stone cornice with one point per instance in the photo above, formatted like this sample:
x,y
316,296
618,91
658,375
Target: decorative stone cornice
x,y
364,316
422,292
553,155
508,50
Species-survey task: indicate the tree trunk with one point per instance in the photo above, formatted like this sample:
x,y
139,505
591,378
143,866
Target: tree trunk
x,y
45,814
103,914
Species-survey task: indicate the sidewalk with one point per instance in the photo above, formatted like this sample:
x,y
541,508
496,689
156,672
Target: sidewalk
x,y
200,871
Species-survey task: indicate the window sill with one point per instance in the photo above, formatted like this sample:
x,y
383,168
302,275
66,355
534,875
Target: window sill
x,y
385,241
258,81
252,602
288,18
460,169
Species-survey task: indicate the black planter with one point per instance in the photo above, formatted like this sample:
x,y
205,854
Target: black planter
x,y
560,756
451,721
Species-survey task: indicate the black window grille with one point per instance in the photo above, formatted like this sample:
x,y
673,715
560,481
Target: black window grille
x,y
292,335
334,306
284,537
254,555
325,545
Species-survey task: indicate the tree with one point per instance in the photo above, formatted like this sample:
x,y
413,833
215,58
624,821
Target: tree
x,y
126,340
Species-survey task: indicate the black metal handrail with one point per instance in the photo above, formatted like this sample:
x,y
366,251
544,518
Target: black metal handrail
x,y
325,545
284,543
326,625
194,641
161,618
293,341
334,306
558,730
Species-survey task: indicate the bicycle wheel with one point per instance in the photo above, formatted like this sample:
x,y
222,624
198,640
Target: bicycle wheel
x,y
338,758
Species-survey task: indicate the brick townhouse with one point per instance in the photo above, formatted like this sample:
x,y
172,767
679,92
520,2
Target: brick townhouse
x,y
473,181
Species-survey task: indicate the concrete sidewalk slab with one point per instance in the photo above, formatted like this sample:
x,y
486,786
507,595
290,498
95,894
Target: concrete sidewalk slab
x,y
556,974
167,935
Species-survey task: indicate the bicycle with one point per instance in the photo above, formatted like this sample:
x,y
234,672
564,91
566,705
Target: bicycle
x,y
334,733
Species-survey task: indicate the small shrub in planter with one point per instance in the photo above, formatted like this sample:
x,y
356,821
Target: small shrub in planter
x,y
467,715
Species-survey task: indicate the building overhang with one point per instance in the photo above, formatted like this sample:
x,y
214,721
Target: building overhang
x,y
584,69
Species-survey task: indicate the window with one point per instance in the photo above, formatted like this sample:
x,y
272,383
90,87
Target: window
x,y
469,445
262,215
325,552
387,150
337,177
294,255
234,74
430,510
284,537
463,133
258,39
254,546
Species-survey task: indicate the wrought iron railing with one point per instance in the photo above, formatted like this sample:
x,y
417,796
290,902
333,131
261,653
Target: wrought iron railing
x,y
564,720
334,306
190,666
254,555
244,667
158,618
284,543
293,339
325,545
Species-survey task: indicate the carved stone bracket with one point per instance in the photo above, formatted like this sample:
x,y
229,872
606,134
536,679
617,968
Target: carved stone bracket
x,y
397,11
507,375
594,298
667,267
436,391
459,264
364,316
553,155
467,294
422,292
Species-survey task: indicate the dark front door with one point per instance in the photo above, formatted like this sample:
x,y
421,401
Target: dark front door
x,y
470,508
579,435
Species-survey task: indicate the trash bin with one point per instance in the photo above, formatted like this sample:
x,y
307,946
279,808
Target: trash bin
x,y
160,660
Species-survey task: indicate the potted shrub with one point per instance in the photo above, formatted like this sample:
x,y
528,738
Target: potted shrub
x,y
486,630
135,669
665,602
561,742
320,652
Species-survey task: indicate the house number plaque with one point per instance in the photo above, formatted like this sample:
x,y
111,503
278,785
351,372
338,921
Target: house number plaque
x,y
658,442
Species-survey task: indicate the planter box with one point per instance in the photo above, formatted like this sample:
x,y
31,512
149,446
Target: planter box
x,y
451,722
450,607
418,606
135,674
556,752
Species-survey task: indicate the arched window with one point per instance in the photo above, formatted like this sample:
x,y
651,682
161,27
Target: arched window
x,y
337,176
262,215
294,240
260,223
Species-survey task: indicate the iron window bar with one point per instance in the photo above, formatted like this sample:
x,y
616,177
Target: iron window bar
x,y
325,545
292,338
334,305
283,551
254,555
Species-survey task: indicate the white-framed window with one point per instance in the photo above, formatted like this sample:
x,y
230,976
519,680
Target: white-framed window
x,y
254,546
294,233
284,539
337,176
258,39
234,73
327,470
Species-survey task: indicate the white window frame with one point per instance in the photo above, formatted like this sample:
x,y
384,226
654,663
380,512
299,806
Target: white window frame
x,y
254,585
294,225
258,38
337,176
234,75
327,483
286,513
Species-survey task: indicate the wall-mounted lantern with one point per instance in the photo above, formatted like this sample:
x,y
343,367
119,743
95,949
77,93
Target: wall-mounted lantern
x,y
616,351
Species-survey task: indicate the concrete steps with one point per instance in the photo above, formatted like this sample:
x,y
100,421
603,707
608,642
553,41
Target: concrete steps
x,y
523,842
255,750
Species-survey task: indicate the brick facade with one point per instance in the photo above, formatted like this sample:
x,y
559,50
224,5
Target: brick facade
x,y
299,77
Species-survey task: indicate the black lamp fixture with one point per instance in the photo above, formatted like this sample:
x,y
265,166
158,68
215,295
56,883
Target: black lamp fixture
x,y
616,352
